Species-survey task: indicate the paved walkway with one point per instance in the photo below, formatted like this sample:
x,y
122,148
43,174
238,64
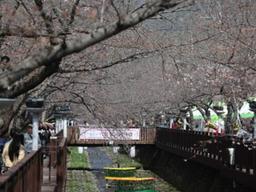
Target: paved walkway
x,y
98,160
49,180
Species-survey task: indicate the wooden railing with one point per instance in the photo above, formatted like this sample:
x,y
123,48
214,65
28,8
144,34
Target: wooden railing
x,y
26,176
61,165
233,157
57,161
147,136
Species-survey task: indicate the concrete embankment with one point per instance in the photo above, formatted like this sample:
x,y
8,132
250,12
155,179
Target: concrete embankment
x,y
186,175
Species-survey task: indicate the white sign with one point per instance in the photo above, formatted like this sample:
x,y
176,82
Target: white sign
x,y
110,133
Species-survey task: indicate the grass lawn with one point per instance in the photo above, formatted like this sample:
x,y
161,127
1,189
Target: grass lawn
x,y
81,181
122,159
77,160
125,161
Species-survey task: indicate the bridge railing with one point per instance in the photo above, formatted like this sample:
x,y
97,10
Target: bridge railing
x,y
227,153
147,136
57,149
61,165
26,176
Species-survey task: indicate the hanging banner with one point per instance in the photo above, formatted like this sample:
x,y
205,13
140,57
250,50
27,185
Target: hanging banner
x,y
109,133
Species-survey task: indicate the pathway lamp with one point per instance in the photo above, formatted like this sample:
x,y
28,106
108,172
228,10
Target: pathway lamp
x,y
35,108
61,115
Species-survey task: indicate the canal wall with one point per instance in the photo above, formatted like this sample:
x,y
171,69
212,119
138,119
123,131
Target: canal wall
x,y
185,174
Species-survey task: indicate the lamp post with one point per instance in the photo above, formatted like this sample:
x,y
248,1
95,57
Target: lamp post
x,y
61,114
35,108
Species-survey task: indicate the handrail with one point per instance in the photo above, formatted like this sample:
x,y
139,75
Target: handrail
x,y
61,165
233,157
26,176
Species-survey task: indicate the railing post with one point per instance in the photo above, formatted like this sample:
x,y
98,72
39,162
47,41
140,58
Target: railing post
x,y
61,165
53,151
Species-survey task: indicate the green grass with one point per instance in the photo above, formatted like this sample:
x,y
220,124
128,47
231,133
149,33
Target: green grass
x,y
160,184
125,161
81,181
122,159
77,160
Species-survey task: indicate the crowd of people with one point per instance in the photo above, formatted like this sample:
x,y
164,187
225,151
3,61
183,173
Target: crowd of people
x,y
20,144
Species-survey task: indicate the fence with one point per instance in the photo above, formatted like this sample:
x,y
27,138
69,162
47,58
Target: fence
x,y
57,161
232,156
61,165
26,176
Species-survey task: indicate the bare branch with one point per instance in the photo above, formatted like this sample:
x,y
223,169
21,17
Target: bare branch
x,y
73,12
49,56
26,9
47,19
111,64
116,10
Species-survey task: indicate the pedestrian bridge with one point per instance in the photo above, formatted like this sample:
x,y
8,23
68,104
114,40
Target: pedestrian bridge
x,y
86,136
31,174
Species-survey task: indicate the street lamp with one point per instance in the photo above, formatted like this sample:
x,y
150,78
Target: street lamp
x,y
35,108
61,114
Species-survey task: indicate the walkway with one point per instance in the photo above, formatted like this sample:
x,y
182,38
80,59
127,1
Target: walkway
x,y
49,177
98,160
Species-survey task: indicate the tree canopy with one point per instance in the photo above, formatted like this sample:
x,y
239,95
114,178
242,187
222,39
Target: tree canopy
x,y
119,58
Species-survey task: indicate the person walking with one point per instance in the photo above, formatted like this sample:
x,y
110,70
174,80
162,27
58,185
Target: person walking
x,y
28,137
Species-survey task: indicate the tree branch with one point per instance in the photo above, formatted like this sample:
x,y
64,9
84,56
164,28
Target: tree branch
x,y
49,55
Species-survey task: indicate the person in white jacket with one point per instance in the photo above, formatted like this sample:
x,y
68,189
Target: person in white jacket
x,y
28,139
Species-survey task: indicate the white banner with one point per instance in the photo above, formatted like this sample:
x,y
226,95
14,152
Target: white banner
x,y
110,133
